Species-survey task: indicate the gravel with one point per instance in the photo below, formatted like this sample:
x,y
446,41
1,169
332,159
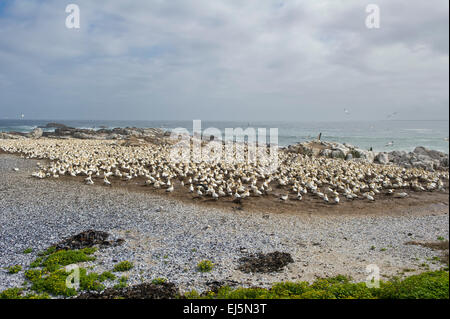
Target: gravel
x,y
166,238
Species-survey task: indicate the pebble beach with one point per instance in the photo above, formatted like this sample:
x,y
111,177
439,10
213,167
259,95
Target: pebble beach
x,y
166,238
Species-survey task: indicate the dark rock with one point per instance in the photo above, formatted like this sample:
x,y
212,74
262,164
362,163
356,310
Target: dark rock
x,y
141,291
87,238
265,263
53,125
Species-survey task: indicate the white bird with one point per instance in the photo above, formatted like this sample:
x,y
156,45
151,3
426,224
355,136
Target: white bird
x,y
89,181
106,182
284,197
400,195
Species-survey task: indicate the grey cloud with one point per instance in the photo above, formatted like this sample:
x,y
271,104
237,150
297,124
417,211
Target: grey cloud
x,y
226,59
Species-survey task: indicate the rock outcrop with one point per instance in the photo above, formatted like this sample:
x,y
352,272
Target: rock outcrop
x,y
36,133
332,150
420,157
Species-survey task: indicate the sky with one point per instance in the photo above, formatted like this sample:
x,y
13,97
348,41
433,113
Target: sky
x,y
252,60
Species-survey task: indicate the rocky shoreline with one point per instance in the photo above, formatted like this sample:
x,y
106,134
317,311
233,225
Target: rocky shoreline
x,y
420,157
64,132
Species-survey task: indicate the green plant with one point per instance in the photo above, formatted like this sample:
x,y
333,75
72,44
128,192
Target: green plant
x,y
205,266
14,269
426,285
54,260
54,284
107,275
17,293
28,251
440,238
122,282
159,281
123,266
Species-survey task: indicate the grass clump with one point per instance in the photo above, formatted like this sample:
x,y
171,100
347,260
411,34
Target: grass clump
x,y
205,266
17,293
14,269
63,258
159,281
107,275
123,266
28,250
52,260
54,284
122,282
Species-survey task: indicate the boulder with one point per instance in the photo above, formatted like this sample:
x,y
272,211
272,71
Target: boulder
x,y
36,133
6,136
338,154
382,158
84,136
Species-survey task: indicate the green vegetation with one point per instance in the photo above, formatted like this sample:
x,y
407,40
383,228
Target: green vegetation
x,y
122,282
123,266
14,269
383,249
17,293
429,285
440,238
205,266
159,281
46,275
28,251
61,258
107,275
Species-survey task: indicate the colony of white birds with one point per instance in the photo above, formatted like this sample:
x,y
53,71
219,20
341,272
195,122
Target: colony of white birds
x,y
296,176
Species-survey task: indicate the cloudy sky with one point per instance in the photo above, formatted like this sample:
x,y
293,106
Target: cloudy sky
x,y
224,60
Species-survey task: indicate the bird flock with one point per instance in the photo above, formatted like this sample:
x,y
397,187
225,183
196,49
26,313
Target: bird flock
x,y
296,176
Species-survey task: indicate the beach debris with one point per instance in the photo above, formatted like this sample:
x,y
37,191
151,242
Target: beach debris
x,y
164,290
265,263
88,238
15,169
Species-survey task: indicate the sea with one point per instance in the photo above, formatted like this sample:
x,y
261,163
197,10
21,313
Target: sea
x,y
385,135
